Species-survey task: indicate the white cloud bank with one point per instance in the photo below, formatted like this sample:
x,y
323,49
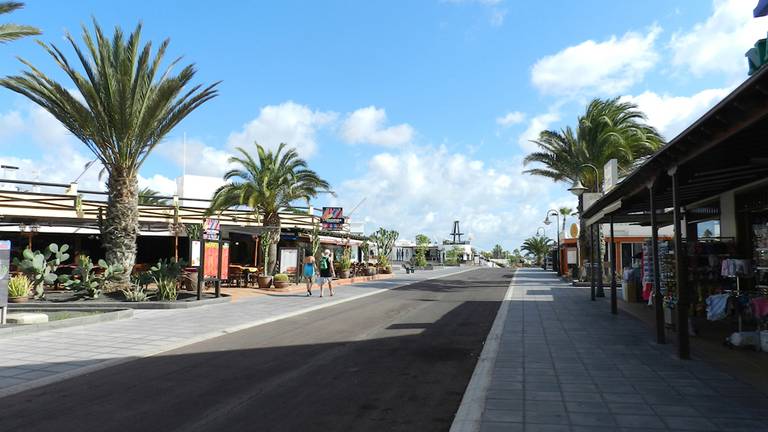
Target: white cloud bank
x,y
608,67
718,44
289,122
368,125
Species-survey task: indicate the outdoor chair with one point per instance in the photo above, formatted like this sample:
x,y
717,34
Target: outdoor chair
x,y
408,268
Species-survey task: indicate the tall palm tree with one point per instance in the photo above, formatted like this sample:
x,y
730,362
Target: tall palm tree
x,y
538,246
123,105
267,184
148,196
609,129
9,31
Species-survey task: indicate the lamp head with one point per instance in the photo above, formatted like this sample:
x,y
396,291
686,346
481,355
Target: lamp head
x,y
547,221
578,188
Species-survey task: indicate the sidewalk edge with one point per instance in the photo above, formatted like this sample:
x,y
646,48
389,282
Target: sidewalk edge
x,y
470,411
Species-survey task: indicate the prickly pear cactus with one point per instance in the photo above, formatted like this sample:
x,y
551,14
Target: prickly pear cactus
x,y
40,267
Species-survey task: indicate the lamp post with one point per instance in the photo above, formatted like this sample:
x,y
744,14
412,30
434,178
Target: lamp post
x,y
557,226
579,189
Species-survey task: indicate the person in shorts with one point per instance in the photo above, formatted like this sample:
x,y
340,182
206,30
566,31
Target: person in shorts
x,y
327,272
309,271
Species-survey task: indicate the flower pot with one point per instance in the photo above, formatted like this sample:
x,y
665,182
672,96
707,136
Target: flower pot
x,y
370,271
18,299
280,284
264,281
343,274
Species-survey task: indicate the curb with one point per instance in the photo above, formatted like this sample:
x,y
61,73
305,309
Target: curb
x,y
210,335
27,329
470,411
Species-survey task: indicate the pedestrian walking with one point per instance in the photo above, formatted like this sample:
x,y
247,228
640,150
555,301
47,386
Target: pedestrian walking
x,y
327,272
309,271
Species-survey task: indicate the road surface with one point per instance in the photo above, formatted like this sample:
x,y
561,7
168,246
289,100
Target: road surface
x,y
396,361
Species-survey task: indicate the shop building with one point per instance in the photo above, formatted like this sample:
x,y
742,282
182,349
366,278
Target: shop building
x,y
710,185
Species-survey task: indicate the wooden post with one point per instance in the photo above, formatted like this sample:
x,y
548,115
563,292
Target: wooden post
x,y
657,299
681,273
592,262
614,301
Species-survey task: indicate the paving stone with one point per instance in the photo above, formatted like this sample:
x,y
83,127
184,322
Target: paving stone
x,y
690,424
639,421
486,426
493,415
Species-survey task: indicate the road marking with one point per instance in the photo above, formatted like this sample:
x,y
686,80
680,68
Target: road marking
x,y
473,402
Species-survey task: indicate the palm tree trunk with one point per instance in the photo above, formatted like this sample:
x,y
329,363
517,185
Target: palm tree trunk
x,y
584,246
121,224
273,221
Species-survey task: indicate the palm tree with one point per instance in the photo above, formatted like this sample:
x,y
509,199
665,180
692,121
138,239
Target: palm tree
x,y
565,212
538,246
10,32
266,185
149,196
123,106
609,129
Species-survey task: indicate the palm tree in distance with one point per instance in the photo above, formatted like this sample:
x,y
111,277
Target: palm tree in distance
x,y
123,105
538,246
267,185
564,212
10,32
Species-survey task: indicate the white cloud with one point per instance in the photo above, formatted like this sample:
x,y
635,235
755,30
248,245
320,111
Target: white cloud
x,y
510,118
290,123
368,125
159,183
424,189
671,114
535,126
607,67
44,150
497,17
719,43
199,158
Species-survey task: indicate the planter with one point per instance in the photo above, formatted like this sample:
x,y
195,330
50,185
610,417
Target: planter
x,y
343,274
18,299
281,284
264,281
370,271
387,270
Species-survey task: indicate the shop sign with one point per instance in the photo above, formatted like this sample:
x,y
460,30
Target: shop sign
x,y
5,263
289,260
212,260
211,229
332,218
194,254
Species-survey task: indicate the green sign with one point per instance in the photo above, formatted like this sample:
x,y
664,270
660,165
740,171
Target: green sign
x,y
756,57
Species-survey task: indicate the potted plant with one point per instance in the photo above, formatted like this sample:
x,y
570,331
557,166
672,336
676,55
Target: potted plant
x,y
345,264
384,266
281,281
19,288
265,280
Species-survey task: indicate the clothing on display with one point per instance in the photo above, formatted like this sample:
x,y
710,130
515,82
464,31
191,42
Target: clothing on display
x,y
716,306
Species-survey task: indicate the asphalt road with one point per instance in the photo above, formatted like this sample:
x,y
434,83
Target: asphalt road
x,y
397,361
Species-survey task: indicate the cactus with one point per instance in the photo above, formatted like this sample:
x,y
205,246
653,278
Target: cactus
x,y
40,267
86,282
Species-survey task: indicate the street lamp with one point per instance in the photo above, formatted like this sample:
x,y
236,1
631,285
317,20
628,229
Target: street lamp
x,y
557,229
544,230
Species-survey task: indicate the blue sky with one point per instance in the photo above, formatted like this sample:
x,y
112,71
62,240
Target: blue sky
x,y
423,108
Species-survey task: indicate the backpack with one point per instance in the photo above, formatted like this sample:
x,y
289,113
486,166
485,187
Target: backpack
x,y
323,263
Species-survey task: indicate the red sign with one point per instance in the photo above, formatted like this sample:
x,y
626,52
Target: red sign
x,y
212,259
332,218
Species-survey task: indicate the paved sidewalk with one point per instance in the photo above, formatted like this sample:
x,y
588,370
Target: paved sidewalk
x,y
565,363
37,359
